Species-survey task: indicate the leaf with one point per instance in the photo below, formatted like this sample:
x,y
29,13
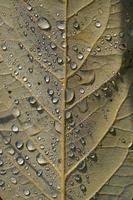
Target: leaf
x,y
66,100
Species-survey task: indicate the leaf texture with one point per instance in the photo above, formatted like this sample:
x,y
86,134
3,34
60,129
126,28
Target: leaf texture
x,y
66,93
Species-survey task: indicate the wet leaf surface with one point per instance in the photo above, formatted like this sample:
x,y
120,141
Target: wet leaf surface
x,y
66,100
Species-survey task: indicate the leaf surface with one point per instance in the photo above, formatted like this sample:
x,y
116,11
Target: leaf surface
x,y
66,111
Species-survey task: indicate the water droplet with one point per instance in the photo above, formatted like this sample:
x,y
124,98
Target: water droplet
x,y
13,180
55,100
26,192
43,23
72,146
1,151
47,79
20,160
14,128
57,126
50,92
80,56
29,8
76,25
19,144
16,112
1,162
68,115
82,167
30,146
83,188
61,25
83,106
32,100
78,178
4,47
39,172
70,95
1,21
98,24
73,65
88,77
41,160
53,46
108,37
11,151
2,183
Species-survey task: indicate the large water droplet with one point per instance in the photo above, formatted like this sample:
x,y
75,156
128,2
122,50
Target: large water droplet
x,y
70,95
87,77
43,23
40,159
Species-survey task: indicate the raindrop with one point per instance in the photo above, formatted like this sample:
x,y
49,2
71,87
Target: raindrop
x,y
11,151
39,172
80,56
43,23
26,192
4,47
2,183
16,112
20,160
47,79
82,167
53,46
41,160
13,180
50,92
76,25
78,178
19,144
55,100
30,146
68,115
29,8
57,126
83,188
70,95
83,106
73,66
108,37
32,100
88,77
1,162
98,24
14,128
61,25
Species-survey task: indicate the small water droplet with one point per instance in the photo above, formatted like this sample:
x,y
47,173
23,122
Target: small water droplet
x,y
20,160
98,24
73,65
26,192
13,180
19,144
61,25
14,128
